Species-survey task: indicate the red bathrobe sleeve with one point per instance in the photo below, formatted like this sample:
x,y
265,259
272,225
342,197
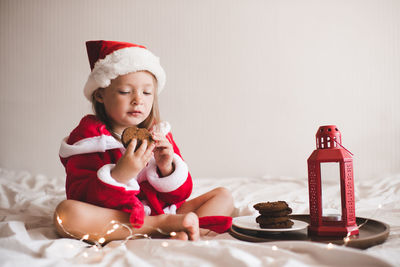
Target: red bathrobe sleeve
x,y
184,191
83,184
159,199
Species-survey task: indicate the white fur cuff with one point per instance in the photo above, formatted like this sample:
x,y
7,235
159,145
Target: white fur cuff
x,y
104,174
99,143
164,127
171,182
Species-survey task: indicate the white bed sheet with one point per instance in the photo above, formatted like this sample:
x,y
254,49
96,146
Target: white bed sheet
x,y
27,236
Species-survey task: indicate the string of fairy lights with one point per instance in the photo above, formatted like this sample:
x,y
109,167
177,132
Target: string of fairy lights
x,y
113,225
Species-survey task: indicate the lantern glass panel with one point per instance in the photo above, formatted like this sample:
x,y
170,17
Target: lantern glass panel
x,y
330,191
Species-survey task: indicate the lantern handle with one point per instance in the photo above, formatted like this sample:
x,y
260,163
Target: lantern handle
x,y
342,147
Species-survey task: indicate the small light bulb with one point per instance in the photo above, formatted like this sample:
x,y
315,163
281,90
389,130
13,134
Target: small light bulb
x,y
59,220
172,234
85,237
115,226
102,240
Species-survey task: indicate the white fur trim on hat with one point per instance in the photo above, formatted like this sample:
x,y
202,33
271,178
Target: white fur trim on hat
x,y
168,183
120,62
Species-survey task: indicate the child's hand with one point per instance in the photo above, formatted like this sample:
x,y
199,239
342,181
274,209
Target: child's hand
x,y
163,154
132,162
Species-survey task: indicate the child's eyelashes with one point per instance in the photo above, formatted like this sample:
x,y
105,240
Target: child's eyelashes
x,y
121,92
124,92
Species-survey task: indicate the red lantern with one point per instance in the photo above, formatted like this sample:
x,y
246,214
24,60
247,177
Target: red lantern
x,y
330,150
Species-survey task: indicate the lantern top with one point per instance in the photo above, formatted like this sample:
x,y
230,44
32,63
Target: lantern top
x,y
328,136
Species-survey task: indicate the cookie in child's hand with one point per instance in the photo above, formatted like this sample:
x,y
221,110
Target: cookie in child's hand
x,y
139,134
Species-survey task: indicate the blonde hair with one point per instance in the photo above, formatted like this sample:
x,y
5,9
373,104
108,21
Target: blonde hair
x,y
153,118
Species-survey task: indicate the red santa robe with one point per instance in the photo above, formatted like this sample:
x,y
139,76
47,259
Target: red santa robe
x,y
90,153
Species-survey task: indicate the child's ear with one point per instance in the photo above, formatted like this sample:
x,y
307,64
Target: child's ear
x,y
98,95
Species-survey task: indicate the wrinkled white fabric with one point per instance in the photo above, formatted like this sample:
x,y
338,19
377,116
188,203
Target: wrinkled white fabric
x,y
28,238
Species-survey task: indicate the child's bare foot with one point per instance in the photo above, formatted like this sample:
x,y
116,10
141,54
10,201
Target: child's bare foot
x,y
191,224
204,232
180,236
182,226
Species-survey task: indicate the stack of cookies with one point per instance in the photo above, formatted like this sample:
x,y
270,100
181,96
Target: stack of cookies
x,y
274,215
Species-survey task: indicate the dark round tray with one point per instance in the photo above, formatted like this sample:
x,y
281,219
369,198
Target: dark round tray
x,y
371,233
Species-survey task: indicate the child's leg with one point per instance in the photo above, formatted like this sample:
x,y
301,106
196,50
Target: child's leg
x,y
76,219
216,202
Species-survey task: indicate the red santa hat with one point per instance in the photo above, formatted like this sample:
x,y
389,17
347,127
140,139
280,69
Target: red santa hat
x,y
109,59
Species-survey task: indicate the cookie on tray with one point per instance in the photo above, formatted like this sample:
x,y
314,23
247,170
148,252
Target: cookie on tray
x,y
271,220
274,215
271,206
286,224
280,213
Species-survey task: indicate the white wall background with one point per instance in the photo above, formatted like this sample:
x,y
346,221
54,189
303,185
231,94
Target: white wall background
x,y
248,82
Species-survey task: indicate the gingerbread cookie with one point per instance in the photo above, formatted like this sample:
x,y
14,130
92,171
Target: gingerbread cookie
x,y
286,224
271,206
271,220
134,132
276,213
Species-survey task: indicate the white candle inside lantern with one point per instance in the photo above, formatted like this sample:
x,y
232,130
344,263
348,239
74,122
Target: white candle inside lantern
x,y
330,191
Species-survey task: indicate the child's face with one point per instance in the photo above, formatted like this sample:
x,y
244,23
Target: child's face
x,y
128,99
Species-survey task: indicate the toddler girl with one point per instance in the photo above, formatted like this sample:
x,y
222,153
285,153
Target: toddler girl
x,y
147,187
